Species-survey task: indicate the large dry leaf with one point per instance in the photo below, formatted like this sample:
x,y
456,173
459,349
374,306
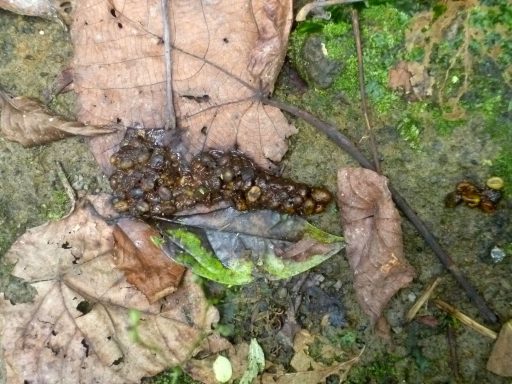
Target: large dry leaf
x,y
27,122
371,225
226,55
78,327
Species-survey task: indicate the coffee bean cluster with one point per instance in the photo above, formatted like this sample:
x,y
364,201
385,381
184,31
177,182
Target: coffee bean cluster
x,y
152,180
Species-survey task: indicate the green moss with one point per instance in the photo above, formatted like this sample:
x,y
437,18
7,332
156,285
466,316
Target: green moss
x,y
502,167
381,370
409,130
172,376
58,206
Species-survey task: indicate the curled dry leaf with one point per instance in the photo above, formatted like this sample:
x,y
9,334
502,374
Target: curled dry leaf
x,y
225,56
27,122
78,327
371,225
143,263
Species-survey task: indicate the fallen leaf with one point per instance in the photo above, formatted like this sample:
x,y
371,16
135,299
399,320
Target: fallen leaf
x,y
143,262
27,122
78,329
371,225
233,247
499,361
255,363
412,78
225,57
309,371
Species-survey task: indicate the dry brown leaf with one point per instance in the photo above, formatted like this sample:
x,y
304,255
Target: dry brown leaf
x,y
27,122
226,55
412,78
308,371
499,361
143,263
78,328
371,225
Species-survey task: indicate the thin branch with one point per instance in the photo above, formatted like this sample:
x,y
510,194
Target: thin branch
x,y
66,185
344,143
362,88
465,319
169,117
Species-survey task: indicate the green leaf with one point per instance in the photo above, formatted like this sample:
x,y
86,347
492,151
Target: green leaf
x,y
256,363
232,247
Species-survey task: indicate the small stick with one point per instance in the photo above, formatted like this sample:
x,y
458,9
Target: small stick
x,y
169,116
67,187
465,319
344,143
362,89
411,314
304,11
452,348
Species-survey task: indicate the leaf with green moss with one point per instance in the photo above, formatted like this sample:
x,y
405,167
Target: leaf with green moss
x,y
233,247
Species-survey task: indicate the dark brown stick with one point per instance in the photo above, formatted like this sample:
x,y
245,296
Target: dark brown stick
x,y
344,143
362,89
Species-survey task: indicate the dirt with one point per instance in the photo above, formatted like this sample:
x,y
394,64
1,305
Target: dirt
x,y
34,51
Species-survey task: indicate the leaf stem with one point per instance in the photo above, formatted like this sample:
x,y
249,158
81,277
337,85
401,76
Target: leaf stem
x,y
169,115
344,143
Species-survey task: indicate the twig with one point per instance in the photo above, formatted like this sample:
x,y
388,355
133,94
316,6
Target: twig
x,y
362,89
304,11
169,116
66,185
411,314
465,319
344,143
452,348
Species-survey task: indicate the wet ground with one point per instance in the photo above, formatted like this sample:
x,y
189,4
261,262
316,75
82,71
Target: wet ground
x,y
423,155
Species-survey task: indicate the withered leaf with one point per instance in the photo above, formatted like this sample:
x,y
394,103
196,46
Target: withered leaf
x,y
143,263
371,225
412,78
499,360
78,329
307,370
27,122
225,56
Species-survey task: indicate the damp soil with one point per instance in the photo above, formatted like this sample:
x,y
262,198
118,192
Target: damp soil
x,y
34,51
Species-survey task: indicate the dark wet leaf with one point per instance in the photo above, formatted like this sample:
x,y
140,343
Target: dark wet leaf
x,y
371,225
27,122
234,247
